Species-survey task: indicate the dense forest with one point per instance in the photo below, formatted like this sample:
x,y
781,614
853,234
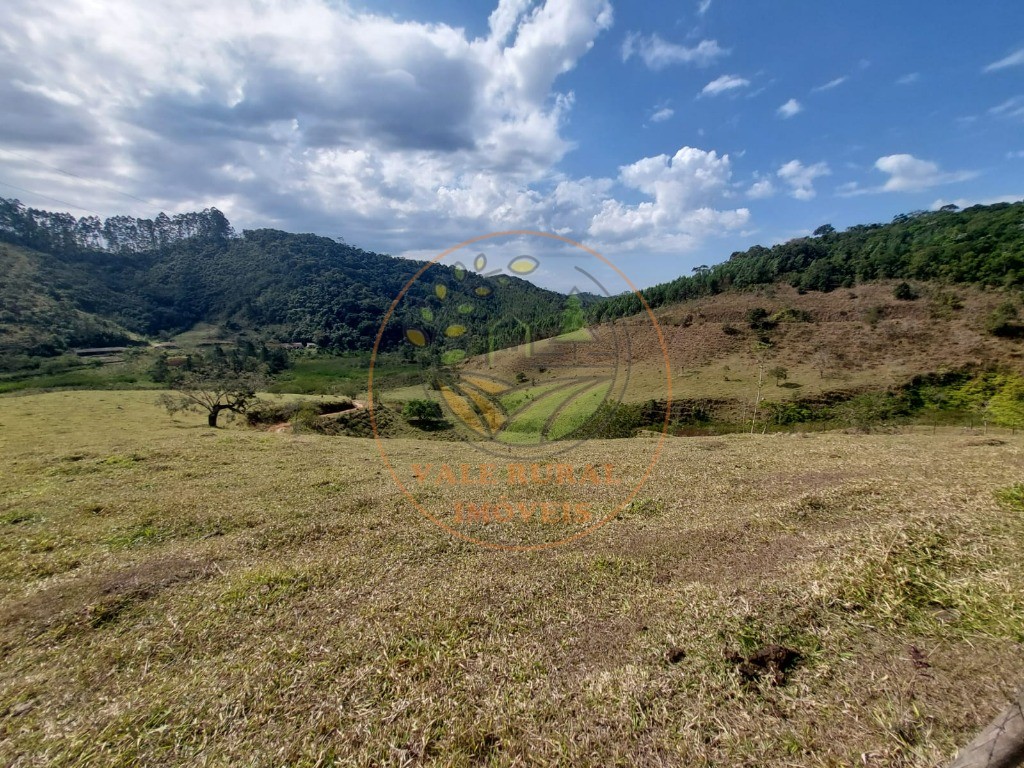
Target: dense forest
x,y
982,244
85,282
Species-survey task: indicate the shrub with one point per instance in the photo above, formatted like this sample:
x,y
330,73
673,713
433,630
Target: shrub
x,y
903,292
943,304
422,411
1003,321
791,315
610,421
874,315
306,418
759,319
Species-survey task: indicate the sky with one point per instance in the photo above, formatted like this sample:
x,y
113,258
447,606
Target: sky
x,y
663,135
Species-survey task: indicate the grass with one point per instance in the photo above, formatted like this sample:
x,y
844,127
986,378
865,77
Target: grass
x,y
173,594
115,376
344,375
545,411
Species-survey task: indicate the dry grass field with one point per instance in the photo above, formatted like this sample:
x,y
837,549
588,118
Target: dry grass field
x,y
860,337
176,595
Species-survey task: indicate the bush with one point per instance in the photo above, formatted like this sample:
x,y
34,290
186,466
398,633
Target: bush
x,y
1003,321
874,315
306,418
903,292
871,409
611,421
791,315
943,304
759,319
422,411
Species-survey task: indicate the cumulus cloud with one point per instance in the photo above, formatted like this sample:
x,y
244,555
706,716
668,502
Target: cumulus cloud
x,y
760,190
910,174
662,115
678,212
790,109
704,7
313,115
723,84
800,178
907,174
1015,59
657,53
831,84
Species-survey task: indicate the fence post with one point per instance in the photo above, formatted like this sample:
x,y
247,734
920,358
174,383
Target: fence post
x,y
1001,744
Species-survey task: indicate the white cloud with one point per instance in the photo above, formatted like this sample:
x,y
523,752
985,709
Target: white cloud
x,y
657,53
723,84
1012,107
310,115
760,190
679,214
800,178
662,115
831,84
790,109
1015,59
1017,155
906,174
910,174
908,79
704,7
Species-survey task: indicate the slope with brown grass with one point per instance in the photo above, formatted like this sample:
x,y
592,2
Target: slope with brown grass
x,y
859,337
172,595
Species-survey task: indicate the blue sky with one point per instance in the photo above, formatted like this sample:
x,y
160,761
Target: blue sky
x,y
664,135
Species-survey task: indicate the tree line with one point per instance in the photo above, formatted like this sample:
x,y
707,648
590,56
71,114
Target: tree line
x,y
159,277
63,233
981,244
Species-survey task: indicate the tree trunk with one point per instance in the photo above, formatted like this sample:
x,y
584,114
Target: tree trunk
x,y
211,418
1001,745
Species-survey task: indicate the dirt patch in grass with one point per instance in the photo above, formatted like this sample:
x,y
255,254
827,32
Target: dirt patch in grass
x,y
985,441
96,600
770,662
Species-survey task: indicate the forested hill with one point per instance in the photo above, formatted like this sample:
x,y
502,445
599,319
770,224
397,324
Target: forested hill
x,y
982,245
84,282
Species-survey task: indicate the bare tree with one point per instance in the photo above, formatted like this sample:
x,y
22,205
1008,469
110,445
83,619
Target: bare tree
x,y
822,361
761,352
212,392
757,397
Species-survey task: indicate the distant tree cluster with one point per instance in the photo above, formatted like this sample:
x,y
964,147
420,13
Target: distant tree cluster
x,y
982,245
64,233
246,357
164,275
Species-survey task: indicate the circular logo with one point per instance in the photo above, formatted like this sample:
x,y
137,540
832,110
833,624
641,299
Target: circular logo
x,y
524,387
